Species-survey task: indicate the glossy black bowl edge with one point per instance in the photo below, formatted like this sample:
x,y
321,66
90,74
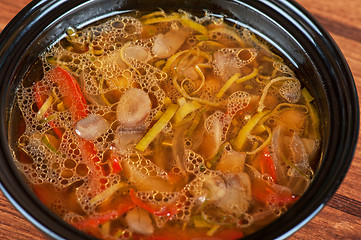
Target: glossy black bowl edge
x,y
351,112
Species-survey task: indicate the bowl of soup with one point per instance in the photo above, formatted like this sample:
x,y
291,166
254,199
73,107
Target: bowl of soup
x,y
173,119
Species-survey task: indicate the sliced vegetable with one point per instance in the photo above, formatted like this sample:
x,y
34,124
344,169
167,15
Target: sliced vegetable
x,y
213,230
133,108
265,193
313,113
186,95
194,25
265,143
228,32
157,128
139,221
48,144
236,78
165,45
94,222
266,164
227,85
43,109
91,127
261,105
68,86
186,109
107,193
200,222
115,163
249,76
156,19
242,135
307,95
167,210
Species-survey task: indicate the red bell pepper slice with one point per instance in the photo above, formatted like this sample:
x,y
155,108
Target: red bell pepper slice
x,y
267,165
169,210
39,103
94,222
68,86
265,193
115,163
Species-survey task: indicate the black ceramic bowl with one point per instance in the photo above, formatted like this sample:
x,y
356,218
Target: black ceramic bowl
x,y
292,30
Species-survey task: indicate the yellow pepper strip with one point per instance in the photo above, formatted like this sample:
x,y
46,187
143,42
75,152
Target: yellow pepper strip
x,y
193,25
201,74
315,120
107,193
227,85
230,33
249,76
160,63
201,37
48,118
157,128
45,107
45,140
307,95
172,60
200,222
195,122
61,107
118,233
210,44
261,105
185,94
173,17
237,79
313,113
264,144
159,13
185,109
213,230
105,228
242,135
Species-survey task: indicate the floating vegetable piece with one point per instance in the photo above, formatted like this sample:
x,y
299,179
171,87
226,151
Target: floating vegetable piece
x,y
139,221
242,135
165,45
158,126
136,52
93,222
266,165
91,127
185,109
127,139
231,161
261,104
68,86
133,108
107,193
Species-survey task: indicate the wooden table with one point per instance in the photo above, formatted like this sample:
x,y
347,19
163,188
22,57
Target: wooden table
x,y
341,218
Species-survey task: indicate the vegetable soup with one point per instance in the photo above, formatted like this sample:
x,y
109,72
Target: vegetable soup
x,y
164,125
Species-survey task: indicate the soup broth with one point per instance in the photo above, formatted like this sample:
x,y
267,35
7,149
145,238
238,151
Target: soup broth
x,y
165,126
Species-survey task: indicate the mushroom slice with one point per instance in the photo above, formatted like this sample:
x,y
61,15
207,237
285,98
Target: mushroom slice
x,y
139,221
91,127
133,108
165,45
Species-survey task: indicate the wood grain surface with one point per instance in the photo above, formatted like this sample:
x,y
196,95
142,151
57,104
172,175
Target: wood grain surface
x,y
341,218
